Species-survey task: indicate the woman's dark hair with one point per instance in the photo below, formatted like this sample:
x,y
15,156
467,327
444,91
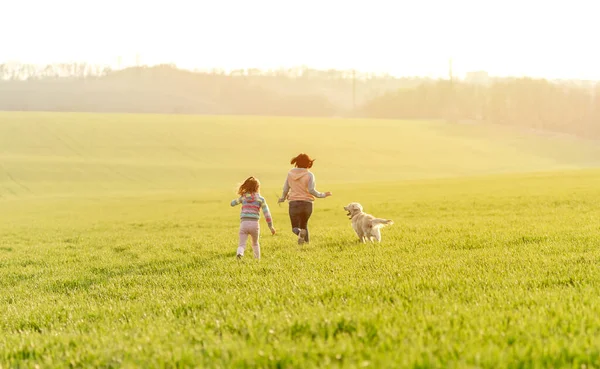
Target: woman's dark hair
x,y
302,161
250,185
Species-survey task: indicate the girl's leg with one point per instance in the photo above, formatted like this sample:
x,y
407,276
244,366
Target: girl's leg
x,y
243,239
254,231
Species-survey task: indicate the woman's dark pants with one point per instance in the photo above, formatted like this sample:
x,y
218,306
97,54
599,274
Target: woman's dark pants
x,y
300,212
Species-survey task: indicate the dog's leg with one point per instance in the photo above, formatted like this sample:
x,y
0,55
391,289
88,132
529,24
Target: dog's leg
x,y
360,235
378,235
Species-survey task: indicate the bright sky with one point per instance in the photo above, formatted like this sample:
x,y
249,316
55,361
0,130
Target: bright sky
x,y
554,39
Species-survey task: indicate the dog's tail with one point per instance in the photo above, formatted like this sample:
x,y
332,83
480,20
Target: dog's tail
x,y
380,223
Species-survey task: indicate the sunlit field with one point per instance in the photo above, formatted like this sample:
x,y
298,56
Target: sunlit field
x,y
117,245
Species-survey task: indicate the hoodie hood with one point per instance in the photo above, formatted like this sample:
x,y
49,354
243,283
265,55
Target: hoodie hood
x,y
250,196
299,180
298,173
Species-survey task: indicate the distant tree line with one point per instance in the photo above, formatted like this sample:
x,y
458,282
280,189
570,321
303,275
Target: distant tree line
x,y
166,89
568,107
563,106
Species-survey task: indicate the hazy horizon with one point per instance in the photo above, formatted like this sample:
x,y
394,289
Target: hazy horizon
x,y
504,38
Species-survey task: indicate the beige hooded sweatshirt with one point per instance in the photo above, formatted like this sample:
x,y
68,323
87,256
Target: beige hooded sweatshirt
x,y
300,186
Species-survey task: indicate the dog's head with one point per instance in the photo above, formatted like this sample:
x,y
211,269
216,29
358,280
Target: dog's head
x,y
353,208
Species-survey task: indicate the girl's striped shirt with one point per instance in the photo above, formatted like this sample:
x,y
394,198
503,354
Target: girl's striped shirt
x,y
251,205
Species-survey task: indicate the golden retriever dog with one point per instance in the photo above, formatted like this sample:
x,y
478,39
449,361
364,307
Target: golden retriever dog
x,y
366,226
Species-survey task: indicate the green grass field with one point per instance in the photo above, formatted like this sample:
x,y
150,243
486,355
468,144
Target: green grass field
x,y
117,245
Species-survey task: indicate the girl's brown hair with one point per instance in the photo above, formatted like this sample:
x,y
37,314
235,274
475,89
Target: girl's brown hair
x,y
250,185
302,161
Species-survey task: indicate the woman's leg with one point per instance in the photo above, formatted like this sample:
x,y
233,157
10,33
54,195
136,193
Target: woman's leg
x,y
306,212
295,216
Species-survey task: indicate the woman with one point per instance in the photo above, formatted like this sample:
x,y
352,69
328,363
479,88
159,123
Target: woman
x,y
299,189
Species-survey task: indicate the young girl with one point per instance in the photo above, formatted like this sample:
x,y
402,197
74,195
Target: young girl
x,y
299,189
251,202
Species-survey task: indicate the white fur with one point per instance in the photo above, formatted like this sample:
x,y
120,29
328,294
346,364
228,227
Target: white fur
x,y
366,226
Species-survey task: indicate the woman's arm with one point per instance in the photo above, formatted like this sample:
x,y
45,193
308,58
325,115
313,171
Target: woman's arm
x,y
312,183
286,189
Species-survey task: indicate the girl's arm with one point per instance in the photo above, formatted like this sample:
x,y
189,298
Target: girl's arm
x,y
236,202
267,213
